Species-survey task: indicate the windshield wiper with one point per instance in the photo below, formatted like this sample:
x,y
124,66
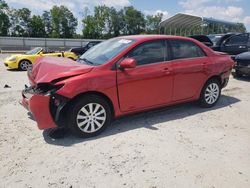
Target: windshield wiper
x,y
87,61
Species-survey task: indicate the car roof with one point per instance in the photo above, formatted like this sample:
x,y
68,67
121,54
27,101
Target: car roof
x,y
148,37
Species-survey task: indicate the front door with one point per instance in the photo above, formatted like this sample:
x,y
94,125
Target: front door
x,y
150,83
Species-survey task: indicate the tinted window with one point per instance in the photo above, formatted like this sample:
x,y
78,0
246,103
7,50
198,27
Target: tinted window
x,y
237,39
182,49
149,52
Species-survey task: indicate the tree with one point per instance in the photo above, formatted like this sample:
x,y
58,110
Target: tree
x,y
4,18
152,23
134,21
37,27
46,17
63,22
116,22
20,22
89,29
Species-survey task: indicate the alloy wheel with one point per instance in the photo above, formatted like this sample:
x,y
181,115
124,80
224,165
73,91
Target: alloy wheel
x,y
212,93
24,65
91,117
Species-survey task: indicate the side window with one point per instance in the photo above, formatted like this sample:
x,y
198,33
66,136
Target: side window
x,y
237,39
148,52
182,49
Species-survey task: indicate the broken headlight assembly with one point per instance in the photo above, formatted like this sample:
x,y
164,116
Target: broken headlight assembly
x,y
47,88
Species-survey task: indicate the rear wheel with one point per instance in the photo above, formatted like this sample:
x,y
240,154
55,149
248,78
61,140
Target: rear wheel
x,y
210,93
24,64
90,116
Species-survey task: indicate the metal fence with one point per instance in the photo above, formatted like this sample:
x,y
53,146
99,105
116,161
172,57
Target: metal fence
x,y
21,43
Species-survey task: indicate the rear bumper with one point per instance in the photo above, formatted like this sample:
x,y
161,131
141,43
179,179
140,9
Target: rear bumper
x,y
39,106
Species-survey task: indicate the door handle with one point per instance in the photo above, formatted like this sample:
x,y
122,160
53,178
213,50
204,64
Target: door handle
x,y
167,70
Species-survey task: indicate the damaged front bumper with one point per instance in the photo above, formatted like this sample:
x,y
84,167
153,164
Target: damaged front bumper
x,y
45,107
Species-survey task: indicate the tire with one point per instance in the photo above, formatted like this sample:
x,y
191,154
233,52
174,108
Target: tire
x,y
80,121
23,65
210,93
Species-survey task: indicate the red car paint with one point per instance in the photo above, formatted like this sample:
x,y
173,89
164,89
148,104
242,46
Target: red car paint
x,y
131,90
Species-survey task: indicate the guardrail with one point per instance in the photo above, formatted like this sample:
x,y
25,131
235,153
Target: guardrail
x,y
23,43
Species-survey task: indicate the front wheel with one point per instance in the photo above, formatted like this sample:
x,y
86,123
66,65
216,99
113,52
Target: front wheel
x,y
89,117
210,93
24,65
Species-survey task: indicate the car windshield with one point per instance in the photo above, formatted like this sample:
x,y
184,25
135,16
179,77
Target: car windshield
x,y
34,51
215,38
105,51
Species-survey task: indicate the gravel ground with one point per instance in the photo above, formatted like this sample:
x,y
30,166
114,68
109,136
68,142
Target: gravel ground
x,y
181,146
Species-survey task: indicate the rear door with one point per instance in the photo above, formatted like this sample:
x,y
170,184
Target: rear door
x,y
236,44
189,64
150,82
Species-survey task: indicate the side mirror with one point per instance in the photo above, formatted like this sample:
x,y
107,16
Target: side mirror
x,y
40,53
127,63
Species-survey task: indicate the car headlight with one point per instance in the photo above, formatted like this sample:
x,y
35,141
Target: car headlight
x,y
12,58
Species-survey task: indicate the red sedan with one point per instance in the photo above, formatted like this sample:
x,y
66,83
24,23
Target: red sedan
x,y
122,76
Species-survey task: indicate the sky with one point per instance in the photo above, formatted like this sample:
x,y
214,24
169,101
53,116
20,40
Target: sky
x,y
228,10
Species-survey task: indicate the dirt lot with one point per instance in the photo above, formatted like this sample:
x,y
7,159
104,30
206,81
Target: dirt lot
x,y
183,146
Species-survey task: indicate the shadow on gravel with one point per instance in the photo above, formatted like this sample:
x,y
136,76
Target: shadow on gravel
x,y
14,70
141,120
30,116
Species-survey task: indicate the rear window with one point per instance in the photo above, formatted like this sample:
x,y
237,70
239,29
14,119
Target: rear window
x,y
184,49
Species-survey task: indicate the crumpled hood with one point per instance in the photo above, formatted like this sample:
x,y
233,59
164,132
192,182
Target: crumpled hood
x,y
47,69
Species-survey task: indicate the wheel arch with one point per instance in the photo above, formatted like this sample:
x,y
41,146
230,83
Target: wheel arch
x,y
25,59
216,77
79,96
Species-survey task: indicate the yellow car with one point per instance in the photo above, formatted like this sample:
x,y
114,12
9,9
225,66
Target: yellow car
x,y
22,61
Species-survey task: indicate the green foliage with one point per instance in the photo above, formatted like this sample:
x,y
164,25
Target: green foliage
x,y
4,18
58,22
134,21
37,27
46,17
152,23
20,22
63,22
107,22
